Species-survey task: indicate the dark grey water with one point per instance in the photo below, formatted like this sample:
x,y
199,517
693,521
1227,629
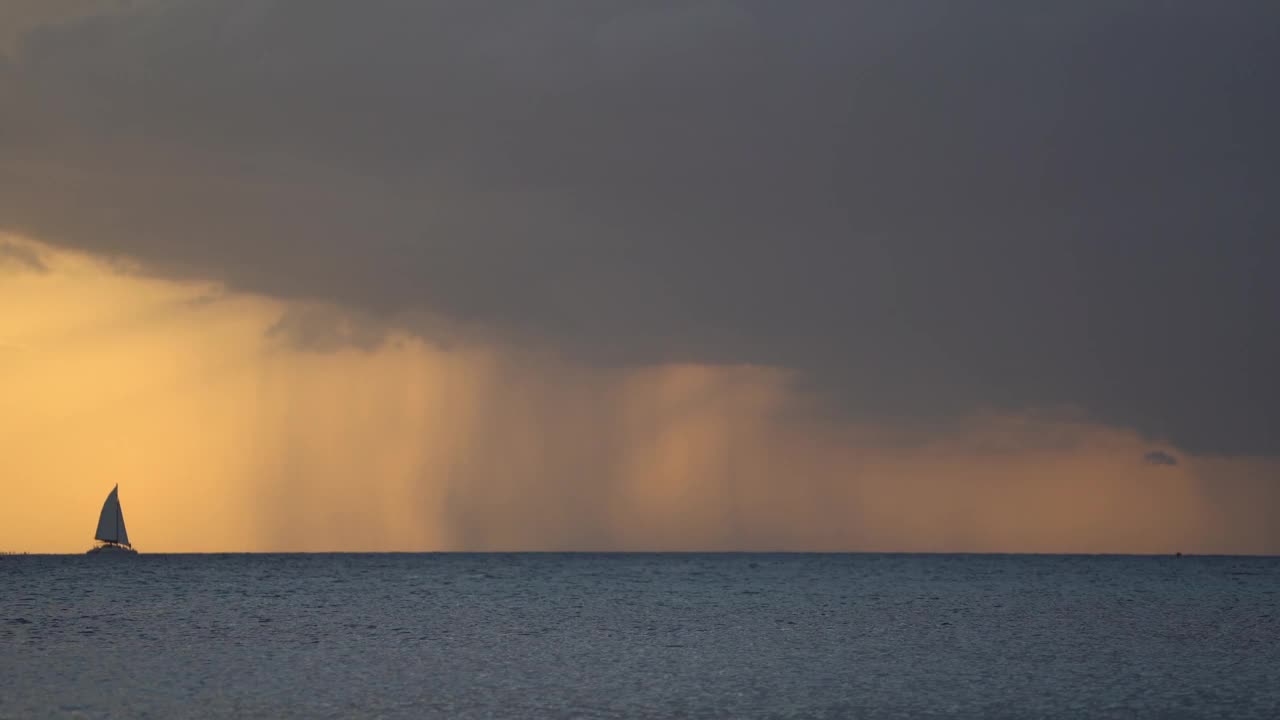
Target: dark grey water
x,y
639,636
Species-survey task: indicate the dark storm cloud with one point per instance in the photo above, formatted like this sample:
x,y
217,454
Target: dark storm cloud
x,y
927,208
1159,457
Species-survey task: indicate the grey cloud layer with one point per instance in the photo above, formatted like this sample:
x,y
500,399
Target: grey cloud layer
x,y
927,208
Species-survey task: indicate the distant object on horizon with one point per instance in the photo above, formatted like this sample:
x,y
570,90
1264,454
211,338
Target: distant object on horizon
x,y
111,530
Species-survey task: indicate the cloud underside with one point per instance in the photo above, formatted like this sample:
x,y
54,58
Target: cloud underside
x,y
20,257
921,211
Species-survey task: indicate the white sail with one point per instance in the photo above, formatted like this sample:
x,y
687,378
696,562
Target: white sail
x,y
111,521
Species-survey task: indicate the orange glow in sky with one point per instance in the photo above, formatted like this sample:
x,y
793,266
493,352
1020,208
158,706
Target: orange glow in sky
x,y
225,437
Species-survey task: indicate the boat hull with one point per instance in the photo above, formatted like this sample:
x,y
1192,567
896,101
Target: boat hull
x,y
112,550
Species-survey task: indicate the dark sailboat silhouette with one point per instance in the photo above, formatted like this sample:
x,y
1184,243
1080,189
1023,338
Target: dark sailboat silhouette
x,y
111,530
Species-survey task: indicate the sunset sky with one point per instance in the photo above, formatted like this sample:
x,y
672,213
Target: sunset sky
x,y
884,276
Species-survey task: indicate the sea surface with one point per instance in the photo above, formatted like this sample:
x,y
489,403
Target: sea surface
x,y
639,635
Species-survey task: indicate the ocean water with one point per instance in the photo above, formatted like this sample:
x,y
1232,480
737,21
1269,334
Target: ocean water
x,y
636,635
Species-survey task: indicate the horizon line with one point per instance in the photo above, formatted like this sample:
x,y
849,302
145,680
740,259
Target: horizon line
x,y
1174,554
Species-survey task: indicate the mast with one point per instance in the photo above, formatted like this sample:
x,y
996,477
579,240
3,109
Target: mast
x,y
118,512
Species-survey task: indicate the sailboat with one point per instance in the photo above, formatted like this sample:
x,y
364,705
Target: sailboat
x,y
111,532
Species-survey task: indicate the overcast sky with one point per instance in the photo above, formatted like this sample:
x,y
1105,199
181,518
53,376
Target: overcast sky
x,y
925,209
